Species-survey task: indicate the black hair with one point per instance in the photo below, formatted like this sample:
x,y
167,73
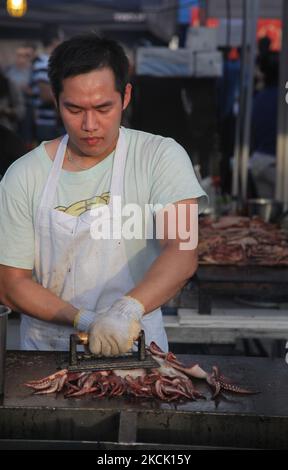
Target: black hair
x,y
83,54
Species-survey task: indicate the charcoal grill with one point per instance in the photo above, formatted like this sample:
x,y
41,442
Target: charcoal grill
x,y
254,282
39,421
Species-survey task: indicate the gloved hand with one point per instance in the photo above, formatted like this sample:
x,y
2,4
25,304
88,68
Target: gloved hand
x,y
114,331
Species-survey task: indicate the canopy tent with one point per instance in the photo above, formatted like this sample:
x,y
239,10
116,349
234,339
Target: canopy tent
x,y
73,16
234,8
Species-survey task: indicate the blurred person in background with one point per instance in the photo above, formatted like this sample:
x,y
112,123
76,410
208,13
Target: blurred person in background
x,y
46,118
19,73
12,108
263,46
264,128
228,95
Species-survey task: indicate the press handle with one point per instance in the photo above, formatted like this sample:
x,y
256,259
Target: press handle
x,y
141,346
79,338
82,338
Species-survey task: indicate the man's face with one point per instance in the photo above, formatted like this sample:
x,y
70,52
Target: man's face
x,y
23,57
91,110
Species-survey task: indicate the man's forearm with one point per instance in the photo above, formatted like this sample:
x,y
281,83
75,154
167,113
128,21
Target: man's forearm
x,y
25,295
166,276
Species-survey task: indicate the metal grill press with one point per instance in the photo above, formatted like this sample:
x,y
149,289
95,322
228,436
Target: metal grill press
x,y
86,361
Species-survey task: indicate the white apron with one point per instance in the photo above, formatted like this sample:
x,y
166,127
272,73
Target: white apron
x,y
88,273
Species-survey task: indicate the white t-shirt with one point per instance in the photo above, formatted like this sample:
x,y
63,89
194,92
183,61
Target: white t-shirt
x,y
157,171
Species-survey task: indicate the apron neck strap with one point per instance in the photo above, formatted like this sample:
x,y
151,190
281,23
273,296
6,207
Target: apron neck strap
x,y
52,181
117,180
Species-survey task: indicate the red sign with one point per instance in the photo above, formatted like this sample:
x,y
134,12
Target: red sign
x,y
271,28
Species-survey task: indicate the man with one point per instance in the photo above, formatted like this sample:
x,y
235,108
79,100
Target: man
x,y
55,269
19,73
264,129
46,125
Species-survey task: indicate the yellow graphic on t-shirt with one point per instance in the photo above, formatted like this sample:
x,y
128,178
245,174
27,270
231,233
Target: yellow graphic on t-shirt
x,y
78,208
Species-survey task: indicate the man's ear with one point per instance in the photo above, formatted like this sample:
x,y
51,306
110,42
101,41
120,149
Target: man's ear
x,y
127,96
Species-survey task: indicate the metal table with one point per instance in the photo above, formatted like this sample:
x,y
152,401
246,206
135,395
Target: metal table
x,y
255,282
232,421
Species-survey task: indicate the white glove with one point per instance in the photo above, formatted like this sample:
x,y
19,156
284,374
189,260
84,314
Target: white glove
x,y
114,331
